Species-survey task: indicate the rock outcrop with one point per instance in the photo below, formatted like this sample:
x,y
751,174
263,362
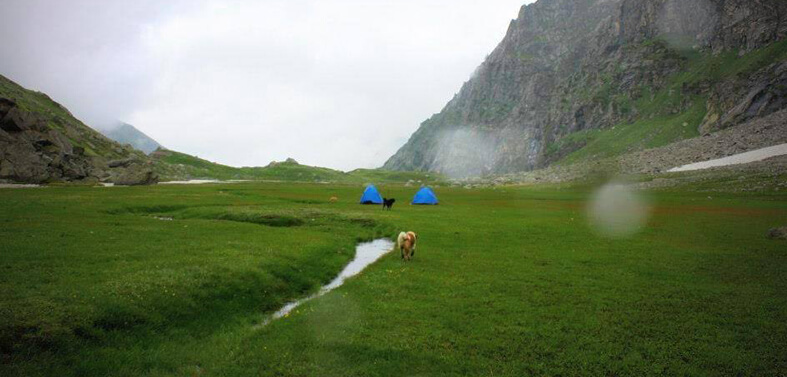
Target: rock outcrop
x,y
567,66
288,161
132,171
41,142
739,100
778,233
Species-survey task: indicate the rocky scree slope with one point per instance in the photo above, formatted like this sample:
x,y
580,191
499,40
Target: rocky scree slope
x,y
569,70
42,142
656,162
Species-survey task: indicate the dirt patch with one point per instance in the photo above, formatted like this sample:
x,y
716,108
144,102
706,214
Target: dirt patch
x,y
778,233
147,209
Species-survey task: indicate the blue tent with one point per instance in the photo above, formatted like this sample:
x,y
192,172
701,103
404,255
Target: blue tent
x,y
425,196
371,196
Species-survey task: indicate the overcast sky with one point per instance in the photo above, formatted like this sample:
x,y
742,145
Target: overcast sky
x,y
335,83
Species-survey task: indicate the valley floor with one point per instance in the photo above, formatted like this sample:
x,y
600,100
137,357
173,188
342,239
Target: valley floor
x,y
174,280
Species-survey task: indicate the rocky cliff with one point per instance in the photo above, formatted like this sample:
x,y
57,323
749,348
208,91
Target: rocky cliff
x,y
41,142
581,79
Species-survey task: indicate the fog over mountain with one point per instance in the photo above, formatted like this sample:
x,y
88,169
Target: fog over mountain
x,y
125,133
339,83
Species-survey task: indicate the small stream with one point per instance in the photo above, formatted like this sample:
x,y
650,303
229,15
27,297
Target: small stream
x,y
366,253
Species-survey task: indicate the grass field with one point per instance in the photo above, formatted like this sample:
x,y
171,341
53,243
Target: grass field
x,y
172,280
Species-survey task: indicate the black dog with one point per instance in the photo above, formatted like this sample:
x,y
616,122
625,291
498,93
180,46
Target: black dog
x,y
388,203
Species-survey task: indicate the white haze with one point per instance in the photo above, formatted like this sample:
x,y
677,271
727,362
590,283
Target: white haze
x,y
617,211
464,152
338,83
682,23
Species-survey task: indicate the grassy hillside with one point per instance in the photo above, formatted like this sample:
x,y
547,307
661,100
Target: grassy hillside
x,y
173,280
379,175
171,165
59,118
657,125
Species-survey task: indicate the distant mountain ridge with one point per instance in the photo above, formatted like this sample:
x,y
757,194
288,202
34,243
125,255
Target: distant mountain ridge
x,y
125,133
577,80
176,166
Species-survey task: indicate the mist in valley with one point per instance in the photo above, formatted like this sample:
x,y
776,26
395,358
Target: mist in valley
x,y
340,84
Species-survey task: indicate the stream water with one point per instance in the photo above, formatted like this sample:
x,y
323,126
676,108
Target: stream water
x,y
366,253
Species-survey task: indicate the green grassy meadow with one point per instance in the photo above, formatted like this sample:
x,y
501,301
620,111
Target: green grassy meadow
x,y
175,280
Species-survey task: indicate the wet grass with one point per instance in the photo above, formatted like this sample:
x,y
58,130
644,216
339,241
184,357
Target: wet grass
x,y
86,268
511,281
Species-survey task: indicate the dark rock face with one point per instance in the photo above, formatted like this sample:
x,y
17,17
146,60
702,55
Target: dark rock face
x,y
744,99
749,24
16,120
571,65
717,24
41,141
33,152
133,173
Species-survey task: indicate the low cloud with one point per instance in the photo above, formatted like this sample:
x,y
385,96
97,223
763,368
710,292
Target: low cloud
x,y
338,83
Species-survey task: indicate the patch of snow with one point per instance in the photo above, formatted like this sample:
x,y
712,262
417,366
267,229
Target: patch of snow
x,y
742,158
17,185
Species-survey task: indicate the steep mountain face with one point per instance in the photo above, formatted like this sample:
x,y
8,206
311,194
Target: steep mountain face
x,y
41,142
568,72
125,133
